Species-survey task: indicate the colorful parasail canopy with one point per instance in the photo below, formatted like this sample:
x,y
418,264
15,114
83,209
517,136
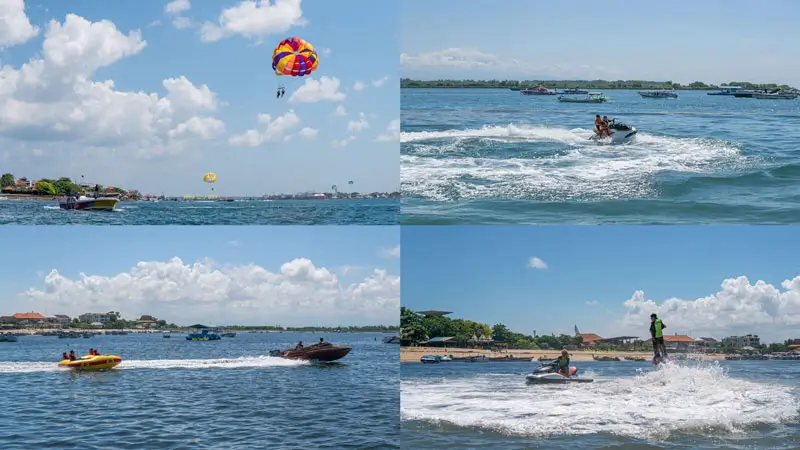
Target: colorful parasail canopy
x,y
210,177
294,57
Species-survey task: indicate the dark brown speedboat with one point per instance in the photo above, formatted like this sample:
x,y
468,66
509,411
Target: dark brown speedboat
x,y
323,351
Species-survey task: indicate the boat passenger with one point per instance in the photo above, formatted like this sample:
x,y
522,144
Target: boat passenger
x,y
562,363
598,123
72,355
96,352
299,345
91,352
605,127
64,356
321,340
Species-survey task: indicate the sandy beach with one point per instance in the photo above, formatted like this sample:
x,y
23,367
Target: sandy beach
x,y
413,354
27,197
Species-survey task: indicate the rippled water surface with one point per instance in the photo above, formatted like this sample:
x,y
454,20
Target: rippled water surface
x,y
630,405
284,212
481,156
178,394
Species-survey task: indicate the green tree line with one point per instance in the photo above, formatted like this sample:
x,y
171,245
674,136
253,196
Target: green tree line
x,y
581,84
415,328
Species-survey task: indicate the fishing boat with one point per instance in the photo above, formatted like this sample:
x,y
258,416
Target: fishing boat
x,y
228,334
573,91
592,97
659,93
203,335
99,362
726,90
775,96
538,90
430,359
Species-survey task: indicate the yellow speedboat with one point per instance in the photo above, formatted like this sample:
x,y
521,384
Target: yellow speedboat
x,y
100,362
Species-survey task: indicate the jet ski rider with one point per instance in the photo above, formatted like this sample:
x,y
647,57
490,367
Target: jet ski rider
x,y
657,334
562,363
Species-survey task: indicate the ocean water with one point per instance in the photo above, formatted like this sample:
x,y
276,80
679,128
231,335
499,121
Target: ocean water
x,y
284,212
179,394
494,156
631,405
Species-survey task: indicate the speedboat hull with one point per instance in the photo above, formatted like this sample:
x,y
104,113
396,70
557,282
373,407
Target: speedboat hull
x,y
317,352
88,204
102,362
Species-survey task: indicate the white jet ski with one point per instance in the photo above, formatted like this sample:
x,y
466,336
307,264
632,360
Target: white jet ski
x,y
620,133
542,376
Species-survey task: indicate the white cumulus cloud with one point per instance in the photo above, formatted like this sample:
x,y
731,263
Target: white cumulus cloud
x,y
392,132
298,293
536,263
254,19
359,86
324,89
308,132
341,143
340,111
53,98
355,126
380,82
273,130
15,28
177,6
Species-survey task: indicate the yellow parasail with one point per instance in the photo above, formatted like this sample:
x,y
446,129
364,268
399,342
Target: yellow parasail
x,y
210,177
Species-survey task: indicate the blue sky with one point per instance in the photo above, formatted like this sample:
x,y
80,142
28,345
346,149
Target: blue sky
x,y
342,127
226,275
712,41
589,273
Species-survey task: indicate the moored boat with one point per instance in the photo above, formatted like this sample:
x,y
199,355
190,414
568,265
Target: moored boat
x,y
592,97
8,338
166,334
391,340
321,352
538,90
228,334
203,335
726,90
99,362
659,93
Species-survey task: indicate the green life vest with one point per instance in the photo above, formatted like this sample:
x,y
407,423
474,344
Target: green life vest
x,y
659,332
563,361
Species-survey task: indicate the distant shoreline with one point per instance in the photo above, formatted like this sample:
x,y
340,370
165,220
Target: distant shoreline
x,y
610,85
413,354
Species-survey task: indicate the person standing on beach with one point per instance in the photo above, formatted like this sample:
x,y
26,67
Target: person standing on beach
x,y
657,334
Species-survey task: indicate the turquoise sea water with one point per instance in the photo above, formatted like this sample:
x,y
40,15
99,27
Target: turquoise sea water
x,y
285,212
179,394
710,405
494,156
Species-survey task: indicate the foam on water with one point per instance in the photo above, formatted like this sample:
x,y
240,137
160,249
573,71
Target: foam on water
x,y
442,165
220,363
651,405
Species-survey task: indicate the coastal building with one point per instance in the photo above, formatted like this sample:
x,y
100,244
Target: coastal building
x,y
7,322
794,344
678,342
589,339
147,321
103,318
748,340
30,319
706,343
62,319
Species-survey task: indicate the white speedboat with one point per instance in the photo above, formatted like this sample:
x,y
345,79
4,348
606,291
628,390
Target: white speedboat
x,y
620,133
